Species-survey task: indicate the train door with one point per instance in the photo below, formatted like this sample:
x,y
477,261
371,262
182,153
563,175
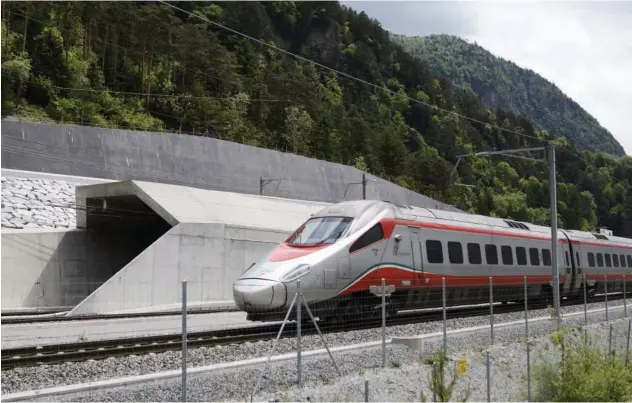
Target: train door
x,y
579,272
418,265
567,269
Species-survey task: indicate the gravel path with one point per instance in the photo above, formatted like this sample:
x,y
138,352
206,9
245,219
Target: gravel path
x,y
37,203
21,379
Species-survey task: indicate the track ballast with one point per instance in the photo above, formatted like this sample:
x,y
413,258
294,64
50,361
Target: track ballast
x,y
102,349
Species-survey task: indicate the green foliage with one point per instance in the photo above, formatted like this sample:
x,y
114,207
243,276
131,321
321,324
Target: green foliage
x,y
581,373
443,378
139,65
502,84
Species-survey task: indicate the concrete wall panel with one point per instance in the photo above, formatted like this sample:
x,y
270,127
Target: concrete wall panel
x,y
199,162
209,256
50,268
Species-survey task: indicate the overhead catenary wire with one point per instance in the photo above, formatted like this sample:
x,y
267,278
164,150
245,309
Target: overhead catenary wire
x,y
343,73
105,91
184,68
349,76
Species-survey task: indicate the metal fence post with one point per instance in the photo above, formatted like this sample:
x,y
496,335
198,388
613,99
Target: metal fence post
x,y
610,341
383,323
434,377
625,299
488,379
184,340
528,371
627,345
366,390
526,331
445,330
605,285
299,307
526,309
585,302
491,310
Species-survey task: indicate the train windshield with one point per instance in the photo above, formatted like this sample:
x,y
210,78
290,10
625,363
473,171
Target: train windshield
x,y
321,230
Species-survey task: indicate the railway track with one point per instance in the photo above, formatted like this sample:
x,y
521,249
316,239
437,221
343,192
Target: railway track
x,y
11,319
102,349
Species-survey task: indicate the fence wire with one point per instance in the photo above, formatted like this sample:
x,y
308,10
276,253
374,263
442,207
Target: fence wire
x,y
480,343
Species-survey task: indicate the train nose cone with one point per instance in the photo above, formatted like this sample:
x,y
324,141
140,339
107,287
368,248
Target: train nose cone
x,y
257,295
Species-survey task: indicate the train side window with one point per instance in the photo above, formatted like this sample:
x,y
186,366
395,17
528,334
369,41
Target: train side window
x,y
608,260
600,259
579,263
615,260
566,258
629,261
455,252
622,260
546,257
373,235
591,259
507,255
434,251
534,255
474,253
491,254
521,256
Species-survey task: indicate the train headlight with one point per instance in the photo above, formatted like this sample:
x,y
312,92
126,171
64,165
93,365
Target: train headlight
x,y
296,273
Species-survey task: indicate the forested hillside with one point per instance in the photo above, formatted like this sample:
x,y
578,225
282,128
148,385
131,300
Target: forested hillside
x,y
142,65
503,84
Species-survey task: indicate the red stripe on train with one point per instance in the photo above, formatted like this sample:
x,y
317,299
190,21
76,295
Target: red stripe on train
x,y
395,276
286,252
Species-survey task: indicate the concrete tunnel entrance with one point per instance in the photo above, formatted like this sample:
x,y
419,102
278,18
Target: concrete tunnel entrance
x,y
156,235
123,227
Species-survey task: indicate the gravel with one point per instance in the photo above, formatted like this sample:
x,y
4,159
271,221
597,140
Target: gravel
x,y
37,203
21,379
405,377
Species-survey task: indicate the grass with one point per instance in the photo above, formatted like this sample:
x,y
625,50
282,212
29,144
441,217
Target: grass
x,y
578,370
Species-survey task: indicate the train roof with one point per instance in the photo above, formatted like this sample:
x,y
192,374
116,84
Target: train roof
x,y
575,235
354,208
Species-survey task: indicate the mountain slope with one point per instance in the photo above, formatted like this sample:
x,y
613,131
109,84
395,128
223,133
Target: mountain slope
x,y
144,66
503,84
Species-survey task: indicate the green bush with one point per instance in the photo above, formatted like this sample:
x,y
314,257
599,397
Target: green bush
x,y
581,372
440,386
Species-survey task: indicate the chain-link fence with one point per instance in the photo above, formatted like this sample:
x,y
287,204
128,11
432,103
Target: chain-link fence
x,y
458,338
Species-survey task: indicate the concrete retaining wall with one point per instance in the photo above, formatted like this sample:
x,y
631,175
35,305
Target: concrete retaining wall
x,y
51,268
188,160
209,256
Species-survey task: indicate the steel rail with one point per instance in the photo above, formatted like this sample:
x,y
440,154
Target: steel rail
x,y
12,319
101,349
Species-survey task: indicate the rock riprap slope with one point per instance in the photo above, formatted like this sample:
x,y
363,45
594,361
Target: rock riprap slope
x,y
37,203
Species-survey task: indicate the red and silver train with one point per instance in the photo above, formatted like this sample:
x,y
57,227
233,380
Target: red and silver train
x,y
342,250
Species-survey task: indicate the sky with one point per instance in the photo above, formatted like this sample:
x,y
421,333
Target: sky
x,y
585,48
